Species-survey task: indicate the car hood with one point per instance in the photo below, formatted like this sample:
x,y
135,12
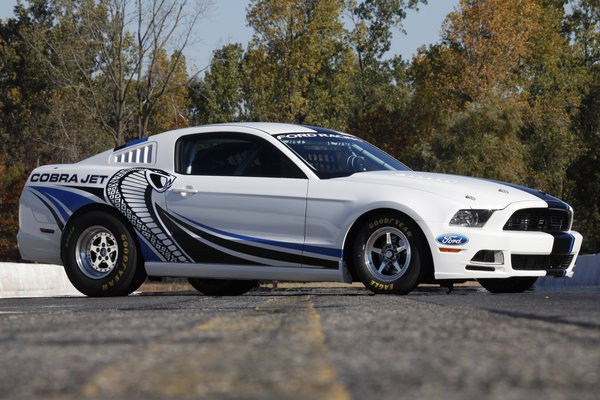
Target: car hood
x,y
476,192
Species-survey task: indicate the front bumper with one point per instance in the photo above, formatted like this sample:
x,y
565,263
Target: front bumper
x,y
505,253
531,247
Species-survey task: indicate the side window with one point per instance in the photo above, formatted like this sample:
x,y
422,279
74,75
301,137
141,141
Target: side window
x,y
232,155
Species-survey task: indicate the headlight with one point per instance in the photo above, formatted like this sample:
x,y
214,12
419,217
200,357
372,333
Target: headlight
x,y
471,218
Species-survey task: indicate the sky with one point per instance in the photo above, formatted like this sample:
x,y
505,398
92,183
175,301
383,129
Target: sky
x,y
225,22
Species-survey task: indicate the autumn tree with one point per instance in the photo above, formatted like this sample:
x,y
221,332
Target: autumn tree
x,y
107,53
171,109
469,82
297,62
487,42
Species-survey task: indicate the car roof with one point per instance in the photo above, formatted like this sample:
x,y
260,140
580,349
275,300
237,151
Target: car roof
x,y
271,128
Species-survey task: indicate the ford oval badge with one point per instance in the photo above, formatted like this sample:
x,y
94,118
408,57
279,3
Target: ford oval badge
x,y
452,239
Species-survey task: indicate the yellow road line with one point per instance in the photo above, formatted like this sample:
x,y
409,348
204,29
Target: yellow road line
x,y
275,350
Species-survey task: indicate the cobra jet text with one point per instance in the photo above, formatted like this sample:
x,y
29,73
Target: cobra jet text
x,y
68,178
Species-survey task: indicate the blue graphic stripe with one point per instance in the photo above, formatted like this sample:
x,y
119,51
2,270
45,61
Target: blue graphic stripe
x,y
563,243
56,217
70,200
142,140
148,252
326,251
322,130
55,202
572,243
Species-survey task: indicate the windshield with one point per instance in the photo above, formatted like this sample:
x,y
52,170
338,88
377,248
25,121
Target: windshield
x,y
332,155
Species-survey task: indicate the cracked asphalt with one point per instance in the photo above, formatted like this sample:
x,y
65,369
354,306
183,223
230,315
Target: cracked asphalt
x,y
303,343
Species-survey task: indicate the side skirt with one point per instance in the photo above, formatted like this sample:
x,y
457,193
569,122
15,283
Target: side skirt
x,y
259,272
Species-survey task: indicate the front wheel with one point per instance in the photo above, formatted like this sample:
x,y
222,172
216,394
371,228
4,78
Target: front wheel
x,y
100,256
508,285
387,254
222,287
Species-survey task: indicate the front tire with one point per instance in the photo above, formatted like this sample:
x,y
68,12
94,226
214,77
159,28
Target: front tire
x,y
222,287
387,254
100,256
508,285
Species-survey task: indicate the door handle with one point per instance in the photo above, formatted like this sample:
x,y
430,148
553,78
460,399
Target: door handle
x,y
185,191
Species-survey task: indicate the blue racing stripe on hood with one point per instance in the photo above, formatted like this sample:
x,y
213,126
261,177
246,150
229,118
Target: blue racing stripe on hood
x,y
552,201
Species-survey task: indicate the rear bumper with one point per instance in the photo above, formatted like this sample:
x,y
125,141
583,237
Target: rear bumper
x,y
39,236
42,247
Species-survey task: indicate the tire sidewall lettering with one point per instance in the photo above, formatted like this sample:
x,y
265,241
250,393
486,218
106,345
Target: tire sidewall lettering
x,y
124,264
378,222
381,286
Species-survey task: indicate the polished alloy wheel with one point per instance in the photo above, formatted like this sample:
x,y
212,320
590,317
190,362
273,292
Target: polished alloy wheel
x,y
96,252
387,254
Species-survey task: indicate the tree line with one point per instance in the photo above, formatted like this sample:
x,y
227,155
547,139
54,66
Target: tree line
x,y
510,92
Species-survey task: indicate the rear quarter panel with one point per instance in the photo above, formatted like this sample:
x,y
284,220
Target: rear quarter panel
x,y
50,197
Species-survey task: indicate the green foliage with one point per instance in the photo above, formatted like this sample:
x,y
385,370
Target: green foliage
x,y
25,91
551,82
379,97
219,96
482,141
583,175
582,27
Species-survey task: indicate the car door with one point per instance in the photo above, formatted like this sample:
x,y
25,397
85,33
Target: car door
x,y
236,199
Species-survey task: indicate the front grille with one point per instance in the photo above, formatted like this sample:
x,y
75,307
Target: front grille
x,y
547,262
539,219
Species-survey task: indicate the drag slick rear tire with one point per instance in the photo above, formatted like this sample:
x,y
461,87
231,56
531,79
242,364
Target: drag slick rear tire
x,y
508,285
387,254
222,287
101,256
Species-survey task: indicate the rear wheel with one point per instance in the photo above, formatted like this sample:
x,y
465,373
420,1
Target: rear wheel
x,y
222,287
387,254
100,256
508,285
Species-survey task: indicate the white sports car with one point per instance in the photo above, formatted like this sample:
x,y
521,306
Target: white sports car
x,y
228,205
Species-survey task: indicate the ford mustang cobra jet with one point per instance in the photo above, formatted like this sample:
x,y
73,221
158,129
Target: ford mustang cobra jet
x,y
228,205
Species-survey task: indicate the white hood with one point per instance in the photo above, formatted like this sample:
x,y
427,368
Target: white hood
x,y
476,192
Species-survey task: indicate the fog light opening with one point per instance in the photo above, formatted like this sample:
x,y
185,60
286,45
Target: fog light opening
x,y
489,257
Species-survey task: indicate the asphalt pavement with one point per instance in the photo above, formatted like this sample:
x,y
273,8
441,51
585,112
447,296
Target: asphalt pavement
x,y
303,343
